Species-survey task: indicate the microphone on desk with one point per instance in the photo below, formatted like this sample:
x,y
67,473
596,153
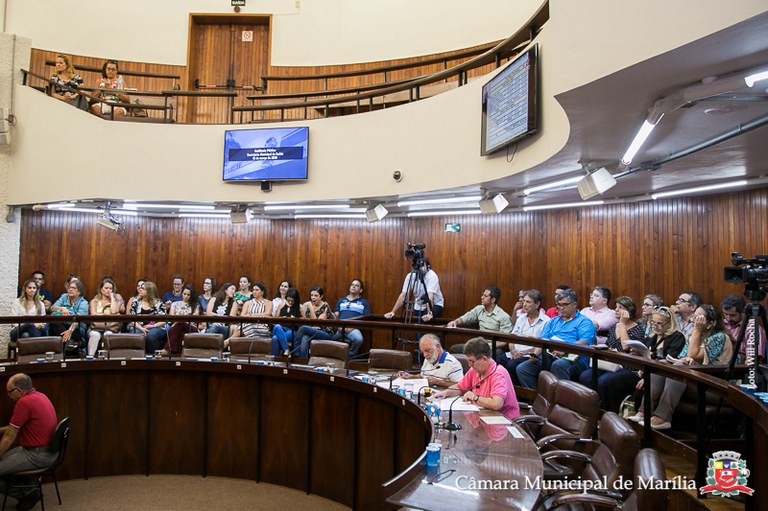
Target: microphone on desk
x,y
418,394
450,425
357,357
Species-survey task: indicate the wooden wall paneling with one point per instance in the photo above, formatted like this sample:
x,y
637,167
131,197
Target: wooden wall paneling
x,y
117,432
233,405
332,470
661,247
284,412
176,423
375,450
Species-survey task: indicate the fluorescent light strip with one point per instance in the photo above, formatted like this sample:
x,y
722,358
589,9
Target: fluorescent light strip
x,y
84,210
697,189
446,200
286,207
123,212
60,205
320,215
567,205
136,205
751,79
446,212
554,184
204,215
642,135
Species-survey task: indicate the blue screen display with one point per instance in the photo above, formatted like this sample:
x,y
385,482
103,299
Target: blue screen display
x,y
266,154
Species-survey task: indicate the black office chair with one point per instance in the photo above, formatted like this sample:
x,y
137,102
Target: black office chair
x,y
58,445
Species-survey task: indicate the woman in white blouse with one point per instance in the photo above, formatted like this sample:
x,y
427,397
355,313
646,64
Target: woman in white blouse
x,y
28,304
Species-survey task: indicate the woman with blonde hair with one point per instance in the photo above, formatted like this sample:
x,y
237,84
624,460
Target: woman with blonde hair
x,y
28,304
64,80
106,302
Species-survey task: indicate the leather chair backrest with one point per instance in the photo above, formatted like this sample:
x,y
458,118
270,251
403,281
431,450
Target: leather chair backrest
x,y
202,345
333,353
32,348
125,345
545,398
616,453
391,359
257,348
576,411
462,358
648,467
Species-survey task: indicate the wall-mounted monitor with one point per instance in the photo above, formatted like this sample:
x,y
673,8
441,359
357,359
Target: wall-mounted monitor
x,y
510,103
266,154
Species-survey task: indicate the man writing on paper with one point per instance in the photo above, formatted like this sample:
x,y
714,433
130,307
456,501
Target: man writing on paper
x,y
440,368
484,385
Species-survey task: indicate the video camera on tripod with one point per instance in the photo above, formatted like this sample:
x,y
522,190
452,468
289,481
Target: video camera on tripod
x,y
751,272
415,252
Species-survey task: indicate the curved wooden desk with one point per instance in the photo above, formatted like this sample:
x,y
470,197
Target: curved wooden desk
x,y
322,434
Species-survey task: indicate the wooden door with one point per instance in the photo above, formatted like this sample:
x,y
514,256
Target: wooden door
x,y
226,53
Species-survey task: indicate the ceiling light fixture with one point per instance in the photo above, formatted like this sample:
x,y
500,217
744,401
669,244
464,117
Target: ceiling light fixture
x,y
447,212
149,205
642,135
697,189
555,184
286,207
224,216
320,215
445,200
756,77
563,206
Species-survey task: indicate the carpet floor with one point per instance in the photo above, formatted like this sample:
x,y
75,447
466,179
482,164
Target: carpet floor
x,y
177,493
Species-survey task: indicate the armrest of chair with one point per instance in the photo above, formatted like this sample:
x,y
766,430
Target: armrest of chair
x,y
544,441
530,423
596,499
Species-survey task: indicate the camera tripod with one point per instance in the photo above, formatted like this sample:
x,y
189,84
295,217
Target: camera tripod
x,y
416,292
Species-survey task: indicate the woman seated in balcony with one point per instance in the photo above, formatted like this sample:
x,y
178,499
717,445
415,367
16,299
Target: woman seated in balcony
x,y
279,300
650,301
65,79
282,336
111,79
187,306
614,386
258,306
222,304
106,302
148,303
28,304
71,303
709,344
315,308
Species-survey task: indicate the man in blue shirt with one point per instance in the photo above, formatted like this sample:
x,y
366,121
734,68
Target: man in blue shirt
x,y
349,307
569,326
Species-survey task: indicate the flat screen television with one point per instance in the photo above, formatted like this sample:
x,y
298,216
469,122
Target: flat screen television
x,y
266,154
510,103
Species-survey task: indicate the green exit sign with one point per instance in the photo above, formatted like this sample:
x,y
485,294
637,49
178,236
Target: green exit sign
x,y
452,227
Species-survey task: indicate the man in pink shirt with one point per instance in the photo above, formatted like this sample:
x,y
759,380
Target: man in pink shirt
x,y
485,384
602,317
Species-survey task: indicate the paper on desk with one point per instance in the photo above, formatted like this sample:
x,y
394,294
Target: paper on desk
x,y
495,419
515,432
401,382
459,406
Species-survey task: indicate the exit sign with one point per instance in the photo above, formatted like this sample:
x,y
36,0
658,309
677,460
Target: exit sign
x,y
238,3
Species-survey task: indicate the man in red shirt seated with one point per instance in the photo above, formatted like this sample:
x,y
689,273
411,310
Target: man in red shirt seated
x,y
32,423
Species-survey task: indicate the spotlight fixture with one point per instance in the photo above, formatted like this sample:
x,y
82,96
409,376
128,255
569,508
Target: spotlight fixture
x,y
493,205
596,183
237,216
377,213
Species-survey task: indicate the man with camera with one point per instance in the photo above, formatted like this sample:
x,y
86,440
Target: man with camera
x,y
423,286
